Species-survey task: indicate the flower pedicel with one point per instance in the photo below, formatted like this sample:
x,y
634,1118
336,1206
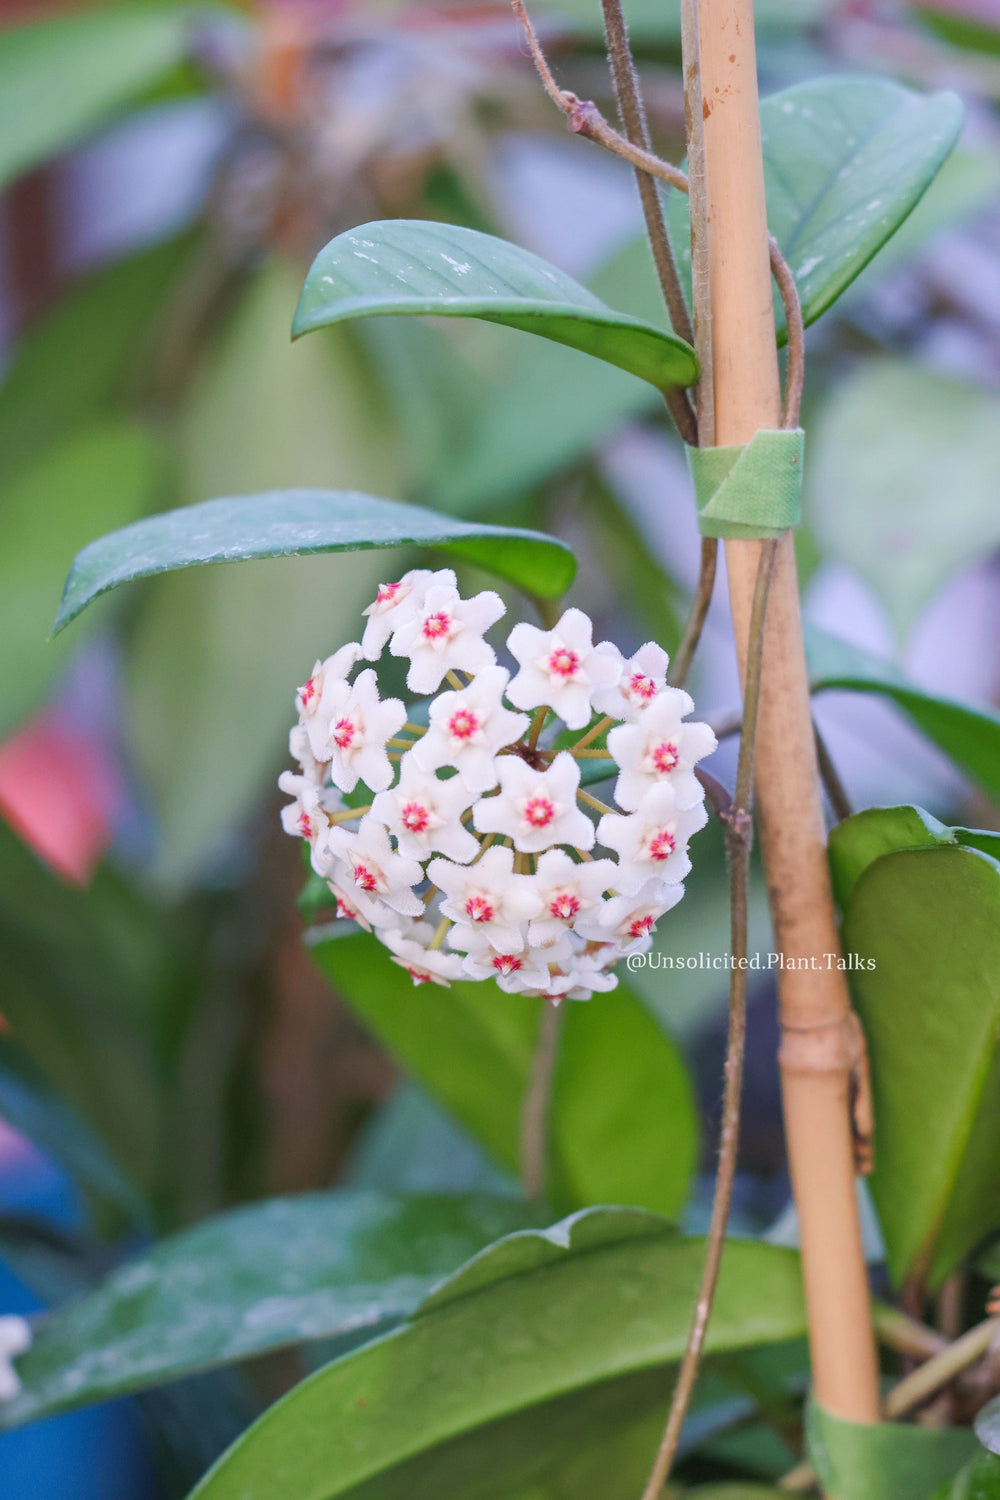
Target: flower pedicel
x,y
475,857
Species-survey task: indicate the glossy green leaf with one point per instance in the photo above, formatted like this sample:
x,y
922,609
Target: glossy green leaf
x,y
275,1273
62,77
978,1480
929,920
412,266
296,523
845,161
103,476
969,735
497,1392
623,1125
902,480
857,1461
858,841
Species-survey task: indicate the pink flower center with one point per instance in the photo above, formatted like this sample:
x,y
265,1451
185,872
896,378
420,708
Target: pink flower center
x,y
343,733
662,845
305,825
463,724
641,686
365,878
479,909
564,905
437,626
641,926
419,976
563,662
665,757
415,817
308,693
386,595
539,811
346,910
507,963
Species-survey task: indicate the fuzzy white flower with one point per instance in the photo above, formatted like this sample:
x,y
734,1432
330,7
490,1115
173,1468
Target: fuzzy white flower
x,y
536,808
630,921
395,603
377,872
643,676
301,751
486,900
578,980
425,965
467,728
315,698
562,667
15,1338
524,969
659,747
446,633
306,817
359,724
569,892
425,814
354,904
653,840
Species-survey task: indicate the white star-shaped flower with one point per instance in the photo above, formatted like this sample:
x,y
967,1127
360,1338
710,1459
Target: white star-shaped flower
x,y
377,872
643,676
315,697
425,965
425,814
15,1338
658,747
630,921
525,969
446,633
569,892
578,980
359,724
486,901
651,841
536,808
562,667
397,602
306,817
468,728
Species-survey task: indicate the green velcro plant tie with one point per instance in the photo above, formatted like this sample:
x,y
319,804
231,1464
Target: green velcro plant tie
x,y
884,1461
752,490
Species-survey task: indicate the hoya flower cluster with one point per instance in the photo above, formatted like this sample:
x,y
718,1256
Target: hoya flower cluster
x,y
474,855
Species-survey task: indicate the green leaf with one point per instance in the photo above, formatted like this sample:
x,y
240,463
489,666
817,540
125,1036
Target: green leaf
x,y
103,476
296,523
497,1392
260,1278
857,1461
929,920
902,480
979,1480
64,76
858,841
413,266
970,735
845,161
623,1126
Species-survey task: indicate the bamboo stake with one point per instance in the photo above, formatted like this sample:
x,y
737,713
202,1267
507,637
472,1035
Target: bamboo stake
x,y
821,1051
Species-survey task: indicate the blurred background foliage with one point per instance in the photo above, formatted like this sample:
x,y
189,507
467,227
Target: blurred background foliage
x,y
169,171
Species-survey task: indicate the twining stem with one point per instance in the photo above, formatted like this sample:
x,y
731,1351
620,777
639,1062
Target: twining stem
x,y
594,802
593,732
537,725
684,655
537,1100
906,1335
839,800
739,841
633,117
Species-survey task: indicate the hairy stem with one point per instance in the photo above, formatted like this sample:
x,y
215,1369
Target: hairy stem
x,y
537,1099
739,841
